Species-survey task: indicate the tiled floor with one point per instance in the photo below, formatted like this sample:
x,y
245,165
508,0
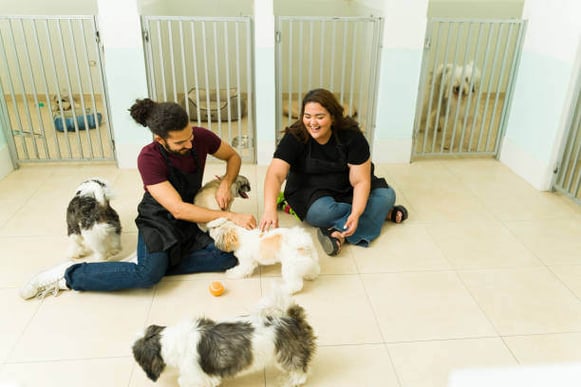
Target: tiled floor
x,y
485,273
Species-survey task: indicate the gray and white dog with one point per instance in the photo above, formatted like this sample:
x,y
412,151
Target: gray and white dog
x,y
206,196
205,351
93,226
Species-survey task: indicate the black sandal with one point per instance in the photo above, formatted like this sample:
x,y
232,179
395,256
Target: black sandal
x,y
331,245
398,209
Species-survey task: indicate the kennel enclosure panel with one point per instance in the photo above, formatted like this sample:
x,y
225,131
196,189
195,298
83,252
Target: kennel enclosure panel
x,y
51,72
205,64
480,55
567,179
336,53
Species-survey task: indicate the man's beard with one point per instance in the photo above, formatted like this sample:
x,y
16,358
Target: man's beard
x,y
182,152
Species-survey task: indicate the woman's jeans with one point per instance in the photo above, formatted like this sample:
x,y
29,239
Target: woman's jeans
x,y
149,269
328,213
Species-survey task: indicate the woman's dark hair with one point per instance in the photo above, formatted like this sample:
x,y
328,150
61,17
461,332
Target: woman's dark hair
x,y
327,100
160,117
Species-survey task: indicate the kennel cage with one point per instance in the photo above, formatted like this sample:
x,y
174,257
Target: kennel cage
x,y
46,61
205,65
341,54
468,73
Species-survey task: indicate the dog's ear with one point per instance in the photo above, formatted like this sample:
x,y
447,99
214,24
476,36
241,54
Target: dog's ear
x,y
147,352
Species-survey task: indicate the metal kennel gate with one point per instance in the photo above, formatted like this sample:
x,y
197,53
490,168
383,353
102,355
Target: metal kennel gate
x,y
468,73
337,53
568,172
205,64
53,89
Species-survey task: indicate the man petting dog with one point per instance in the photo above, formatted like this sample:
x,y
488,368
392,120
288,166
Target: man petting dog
x,y
169,242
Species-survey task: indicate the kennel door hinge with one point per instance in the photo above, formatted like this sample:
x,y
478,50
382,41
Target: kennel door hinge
x,y
146,35
277,36
556,169
427,43
97,37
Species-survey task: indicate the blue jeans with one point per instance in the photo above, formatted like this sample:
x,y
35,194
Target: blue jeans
x,y
149,269
328,213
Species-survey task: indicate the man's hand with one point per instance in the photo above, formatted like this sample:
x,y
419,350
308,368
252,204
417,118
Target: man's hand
x,y
224,195
243,220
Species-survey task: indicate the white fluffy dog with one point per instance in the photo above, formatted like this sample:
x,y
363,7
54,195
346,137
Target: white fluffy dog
x,y
292,247
453,87
205,351
93,226
206,196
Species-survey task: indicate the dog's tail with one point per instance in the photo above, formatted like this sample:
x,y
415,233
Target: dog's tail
x,y
275,304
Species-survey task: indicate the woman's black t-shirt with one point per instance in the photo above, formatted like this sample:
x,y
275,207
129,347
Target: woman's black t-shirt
x,y
321,170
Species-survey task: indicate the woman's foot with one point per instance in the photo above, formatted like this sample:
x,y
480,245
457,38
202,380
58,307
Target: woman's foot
x,y
397,214
331,241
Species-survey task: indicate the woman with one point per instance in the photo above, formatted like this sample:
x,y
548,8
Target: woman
x,y
330,179
169,241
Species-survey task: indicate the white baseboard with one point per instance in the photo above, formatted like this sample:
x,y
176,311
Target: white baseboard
x,y
392,151
537,173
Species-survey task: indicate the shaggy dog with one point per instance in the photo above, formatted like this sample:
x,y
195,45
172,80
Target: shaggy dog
x,y
206,196
205,351
292,247
93,226
452,97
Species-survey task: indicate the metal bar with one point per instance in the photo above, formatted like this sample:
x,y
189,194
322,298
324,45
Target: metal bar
x,y
479,91
468,99
27,53
81,93
206,70
493,72
484,66
511,81
498,86
16,121
184,71
70,90
161,62
196,80
172,67
352,74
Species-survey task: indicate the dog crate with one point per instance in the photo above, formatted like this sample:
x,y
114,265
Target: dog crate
x,y
45,59
468,72
205,64
340,54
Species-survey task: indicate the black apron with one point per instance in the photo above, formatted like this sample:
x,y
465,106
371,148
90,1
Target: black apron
x,y
160,230
323,178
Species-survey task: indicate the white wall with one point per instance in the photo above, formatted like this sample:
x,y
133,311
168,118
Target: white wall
x,y
402,49
540,104
125,75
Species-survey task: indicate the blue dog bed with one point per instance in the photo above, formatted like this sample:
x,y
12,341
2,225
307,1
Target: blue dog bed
x,y
66,120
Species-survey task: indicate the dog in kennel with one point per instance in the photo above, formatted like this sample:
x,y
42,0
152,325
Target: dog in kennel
x,y
451,100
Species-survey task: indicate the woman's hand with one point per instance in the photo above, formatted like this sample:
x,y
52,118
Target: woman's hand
x,y
350,225
269,220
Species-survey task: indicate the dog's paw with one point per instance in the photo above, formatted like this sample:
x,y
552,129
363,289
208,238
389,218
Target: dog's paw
x,y
237,272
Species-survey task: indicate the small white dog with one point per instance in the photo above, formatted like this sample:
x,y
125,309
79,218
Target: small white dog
x,y
206,196
292,247
453,87
93,226
205,351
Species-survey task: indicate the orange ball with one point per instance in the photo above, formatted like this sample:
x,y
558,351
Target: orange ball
x,y
216,288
